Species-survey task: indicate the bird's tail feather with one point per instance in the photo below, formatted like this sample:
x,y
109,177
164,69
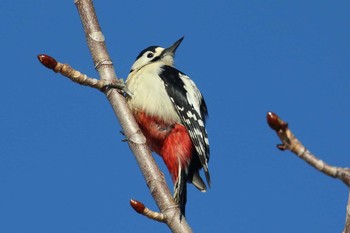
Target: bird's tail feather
x,y
180,190
197,181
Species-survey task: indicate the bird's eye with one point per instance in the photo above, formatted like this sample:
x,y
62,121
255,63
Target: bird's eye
x,y
150,55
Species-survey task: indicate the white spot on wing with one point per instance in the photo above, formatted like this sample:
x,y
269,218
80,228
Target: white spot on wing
x,y
192,93
201,123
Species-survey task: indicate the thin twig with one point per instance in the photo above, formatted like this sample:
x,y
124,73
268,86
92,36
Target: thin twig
x,y
78,77
347,220
290,142
140,208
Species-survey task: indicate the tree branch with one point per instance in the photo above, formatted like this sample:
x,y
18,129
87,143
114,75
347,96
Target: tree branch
x,y
347,219
78,77
290,142
136,141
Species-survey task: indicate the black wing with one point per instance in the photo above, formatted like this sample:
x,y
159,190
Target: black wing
x,y
191,108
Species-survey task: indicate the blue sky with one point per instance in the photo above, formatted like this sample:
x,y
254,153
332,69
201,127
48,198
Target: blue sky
x,y
63,167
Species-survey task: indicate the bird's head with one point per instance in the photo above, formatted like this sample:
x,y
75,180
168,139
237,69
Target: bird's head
x,y
156,54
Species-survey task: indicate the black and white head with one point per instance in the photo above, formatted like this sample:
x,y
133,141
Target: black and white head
x,y
155,54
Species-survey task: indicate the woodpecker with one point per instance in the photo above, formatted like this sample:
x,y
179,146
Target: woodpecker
x,y
171,113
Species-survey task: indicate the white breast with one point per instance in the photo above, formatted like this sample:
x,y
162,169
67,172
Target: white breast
x,y
149,94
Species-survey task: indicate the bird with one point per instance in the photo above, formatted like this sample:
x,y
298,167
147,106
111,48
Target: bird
x,y
171,112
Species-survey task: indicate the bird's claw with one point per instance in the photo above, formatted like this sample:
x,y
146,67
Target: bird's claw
x,y
124,139
120,85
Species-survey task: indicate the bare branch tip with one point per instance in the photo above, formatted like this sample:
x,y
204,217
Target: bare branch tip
x,y
275,122
141,209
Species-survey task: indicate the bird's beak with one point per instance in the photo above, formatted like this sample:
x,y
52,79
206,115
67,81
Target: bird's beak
x,y
171,50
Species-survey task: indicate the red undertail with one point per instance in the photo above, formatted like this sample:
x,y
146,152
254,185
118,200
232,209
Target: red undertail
x,y
168,139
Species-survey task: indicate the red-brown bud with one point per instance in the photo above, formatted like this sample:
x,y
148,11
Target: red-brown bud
x,y
138,206
47,61
275,122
